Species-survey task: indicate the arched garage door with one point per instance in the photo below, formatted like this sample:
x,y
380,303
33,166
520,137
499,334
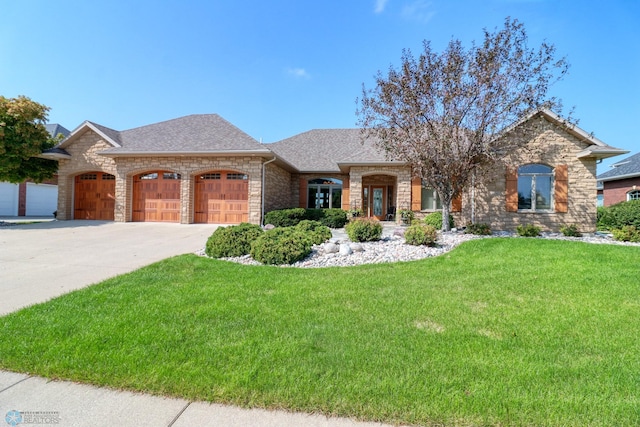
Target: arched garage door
x,y
156,197
94,196
222,198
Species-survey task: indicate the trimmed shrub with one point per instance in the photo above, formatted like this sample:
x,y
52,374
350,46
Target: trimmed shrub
x,y
334,218
281,246
627,233
421,235
434,219
619,215
479,229
528,230
313,214
232,241
317,232
570,230
406,215
285,217
364,230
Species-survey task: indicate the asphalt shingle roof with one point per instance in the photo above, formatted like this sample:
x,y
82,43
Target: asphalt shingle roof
x,y
321,150
56,129
195,133
623,168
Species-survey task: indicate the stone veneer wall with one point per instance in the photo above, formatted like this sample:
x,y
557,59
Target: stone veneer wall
x,y
548,144
84,159
277,188
403,184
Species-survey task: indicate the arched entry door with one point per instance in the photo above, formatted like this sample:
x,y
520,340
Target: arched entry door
x,y
94,196
221,197
156,197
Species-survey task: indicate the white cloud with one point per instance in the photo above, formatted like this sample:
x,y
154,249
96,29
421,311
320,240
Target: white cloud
x,y
380,5
419,10
299,73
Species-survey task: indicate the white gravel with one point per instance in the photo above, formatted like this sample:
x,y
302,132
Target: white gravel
x,y
392,248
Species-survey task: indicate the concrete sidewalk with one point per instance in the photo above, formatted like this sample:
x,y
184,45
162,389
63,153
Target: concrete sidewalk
x,y
68,404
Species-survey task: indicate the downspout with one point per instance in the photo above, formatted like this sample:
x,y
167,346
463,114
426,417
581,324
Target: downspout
x,y
473,197
263,186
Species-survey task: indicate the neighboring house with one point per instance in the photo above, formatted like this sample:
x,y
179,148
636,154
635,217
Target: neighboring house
x,y
620,184
29,198
202,169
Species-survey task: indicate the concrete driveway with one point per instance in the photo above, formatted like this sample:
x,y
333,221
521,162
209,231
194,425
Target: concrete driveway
x,y
43,260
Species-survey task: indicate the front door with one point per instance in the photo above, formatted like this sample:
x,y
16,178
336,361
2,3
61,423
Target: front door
x,y
377,203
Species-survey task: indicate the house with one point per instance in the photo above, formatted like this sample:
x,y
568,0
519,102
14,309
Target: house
x,y
621,183
203,169
29,198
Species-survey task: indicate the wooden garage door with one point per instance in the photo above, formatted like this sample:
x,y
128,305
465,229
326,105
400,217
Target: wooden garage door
x,y
156,197
222,198
95,196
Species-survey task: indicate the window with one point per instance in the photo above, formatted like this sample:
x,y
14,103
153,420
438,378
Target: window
x,y
324,193
430,201
108,177
535,184
600,200
633,195
170,175
153,175
210,176
238,176
89,176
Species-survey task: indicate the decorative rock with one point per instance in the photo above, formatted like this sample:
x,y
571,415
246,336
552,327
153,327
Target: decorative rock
x,y
356,247
330,248
345,250
269,227
399,232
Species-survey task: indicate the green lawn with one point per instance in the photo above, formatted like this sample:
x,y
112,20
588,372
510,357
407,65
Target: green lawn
x,y
498,332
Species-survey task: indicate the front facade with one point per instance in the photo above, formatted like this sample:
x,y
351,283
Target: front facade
x,y
202,169
621,183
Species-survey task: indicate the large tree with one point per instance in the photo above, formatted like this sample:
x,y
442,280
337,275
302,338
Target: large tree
x,y
23,136
441,112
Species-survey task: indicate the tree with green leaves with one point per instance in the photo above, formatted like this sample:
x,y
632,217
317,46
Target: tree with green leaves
x,y
23,136
441,112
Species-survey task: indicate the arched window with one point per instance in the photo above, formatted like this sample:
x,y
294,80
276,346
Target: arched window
x,y
633,195
535,187
324,193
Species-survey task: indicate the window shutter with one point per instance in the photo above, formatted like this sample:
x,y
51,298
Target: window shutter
x,y
303,193
456,204
345,195
561,193
511,193
416,194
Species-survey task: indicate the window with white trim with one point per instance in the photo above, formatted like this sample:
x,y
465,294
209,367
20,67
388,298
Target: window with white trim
x,y
430,201
633,195
535,187
324,193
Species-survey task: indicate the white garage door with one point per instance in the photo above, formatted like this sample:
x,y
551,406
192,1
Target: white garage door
x,y
8,199
42,199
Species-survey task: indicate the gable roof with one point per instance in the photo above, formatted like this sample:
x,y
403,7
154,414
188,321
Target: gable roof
x,y
56,129
626,168
328,150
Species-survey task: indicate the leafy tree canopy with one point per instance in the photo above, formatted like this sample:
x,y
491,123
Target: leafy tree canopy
x,y
441,112
23,136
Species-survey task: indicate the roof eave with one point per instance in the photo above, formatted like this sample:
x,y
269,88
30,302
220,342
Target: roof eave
x,y
81,129
600,154
54,156
345,166
262,153
618,177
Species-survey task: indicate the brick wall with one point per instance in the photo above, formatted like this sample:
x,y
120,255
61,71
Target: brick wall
x,y
616,191
551,145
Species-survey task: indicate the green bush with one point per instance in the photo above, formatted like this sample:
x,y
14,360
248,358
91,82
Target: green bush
x,y
480,229
570,230
528,230
406,215
281,246
364,230
285,217
232,241
434,219
628,233
421,234
619,215
334,218
317,232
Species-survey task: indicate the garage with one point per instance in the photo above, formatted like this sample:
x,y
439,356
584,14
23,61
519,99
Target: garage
x,y
94,196
221,198
156,197
42,199
8,199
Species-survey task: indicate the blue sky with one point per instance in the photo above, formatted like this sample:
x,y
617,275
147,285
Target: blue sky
x,y
278,68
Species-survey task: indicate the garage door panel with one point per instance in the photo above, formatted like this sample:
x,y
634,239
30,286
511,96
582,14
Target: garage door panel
x,y
222,198
8,199
94,196
156,197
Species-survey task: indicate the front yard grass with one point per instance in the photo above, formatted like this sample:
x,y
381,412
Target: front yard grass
x,y
505,332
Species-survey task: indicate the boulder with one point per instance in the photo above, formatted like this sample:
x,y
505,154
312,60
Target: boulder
x,y
345,250
330,248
